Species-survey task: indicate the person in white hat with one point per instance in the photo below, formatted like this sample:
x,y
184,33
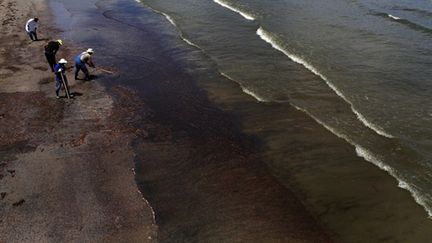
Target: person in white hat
x,y
60,70
81,61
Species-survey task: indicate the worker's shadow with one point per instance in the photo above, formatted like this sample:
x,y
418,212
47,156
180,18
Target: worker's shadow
x,y
91,78
76,94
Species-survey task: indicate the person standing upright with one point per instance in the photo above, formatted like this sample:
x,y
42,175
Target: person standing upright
x,y
60,77
51,49
80,63
31,27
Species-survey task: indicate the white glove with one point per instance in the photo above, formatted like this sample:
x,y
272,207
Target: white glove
x,y
60,70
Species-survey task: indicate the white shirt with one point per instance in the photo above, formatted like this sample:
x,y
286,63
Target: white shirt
x,y
31,25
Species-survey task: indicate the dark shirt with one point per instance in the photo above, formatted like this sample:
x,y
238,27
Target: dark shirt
x,y
52,47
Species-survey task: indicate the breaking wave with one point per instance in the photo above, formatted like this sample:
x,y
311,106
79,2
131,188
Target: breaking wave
x,y
417,195
267,37
245,90
371,158
224,4
406,22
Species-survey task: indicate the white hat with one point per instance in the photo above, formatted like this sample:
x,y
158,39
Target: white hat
x,y
90,50
62,61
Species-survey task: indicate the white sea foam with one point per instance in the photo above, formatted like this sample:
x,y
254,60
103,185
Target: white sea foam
x,y
244,89
245,15
418,197
171,20
269,39
189,42
393,17
368,156
249,92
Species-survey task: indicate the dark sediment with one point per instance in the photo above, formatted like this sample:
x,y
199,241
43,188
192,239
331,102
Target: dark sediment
x,y
201,175
66,169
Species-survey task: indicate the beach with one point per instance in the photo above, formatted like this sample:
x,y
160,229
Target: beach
x,y
66,165
174,145
67,171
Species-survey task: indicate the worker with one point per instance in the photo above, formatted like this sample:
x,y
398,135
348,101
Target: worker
x,y
81,61
60,70
51,49
31,27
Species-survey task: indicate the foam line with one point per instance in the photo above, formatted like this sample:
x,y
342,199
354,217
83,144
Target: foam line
x,y
171,20
371,158
394,17
244,89
421,200
245,15
267,38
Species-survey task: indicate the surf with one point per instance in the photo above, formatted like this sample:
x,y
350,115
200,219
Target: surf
x,y
225,5
371,158
406,22
244,89
268,37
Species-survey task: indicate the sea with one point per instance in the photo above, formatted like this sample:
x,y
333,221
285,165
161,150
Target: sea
x,y
358,69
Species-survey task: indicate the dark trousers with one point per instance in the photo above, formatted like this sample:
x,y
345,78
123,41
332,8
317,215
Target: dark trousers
x,y
32,35
59,83
81,66
51,60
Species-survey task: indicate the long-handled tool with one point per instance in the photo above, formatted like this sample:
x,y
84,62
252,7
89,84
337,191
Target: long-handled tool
x,y
104,70
65,86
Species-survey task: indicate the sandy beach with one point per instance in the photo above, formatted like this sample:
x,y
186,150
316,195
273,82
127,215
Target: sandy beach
x,y
66,172
67,166
165,148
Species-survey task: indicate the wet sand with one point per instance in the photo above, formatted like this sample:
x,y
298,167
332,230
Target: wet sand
x,y
66,167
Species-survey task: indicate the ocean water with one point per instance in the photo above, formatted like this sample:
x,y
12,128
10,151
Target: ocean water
x,y
359,68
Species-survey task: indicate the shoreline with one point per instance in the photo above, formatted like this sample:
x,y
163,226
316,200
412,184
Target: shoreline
x,y
77,191
66,165
212,169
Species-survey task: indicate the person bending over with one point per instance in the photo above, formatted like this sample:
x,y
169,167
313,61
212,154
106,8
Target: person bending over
x,y
51,49
81,61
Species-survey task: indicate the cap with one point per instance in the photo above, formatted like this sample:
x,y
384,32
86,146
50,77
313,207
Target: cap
x,y
62,61
90,50
60,42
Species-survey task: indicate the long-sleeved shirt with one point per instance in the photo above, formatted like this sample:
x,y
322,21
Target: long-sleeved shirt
x,y
59,70
31,25
52,47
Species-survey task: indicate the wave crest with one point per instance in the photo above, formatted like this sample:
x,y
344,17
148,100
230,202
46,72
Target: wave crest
x,y
245,15
267,37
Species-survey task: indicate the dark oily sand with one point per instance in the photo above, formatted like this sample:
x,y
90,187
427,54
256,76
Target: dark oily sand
x,y
200,174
